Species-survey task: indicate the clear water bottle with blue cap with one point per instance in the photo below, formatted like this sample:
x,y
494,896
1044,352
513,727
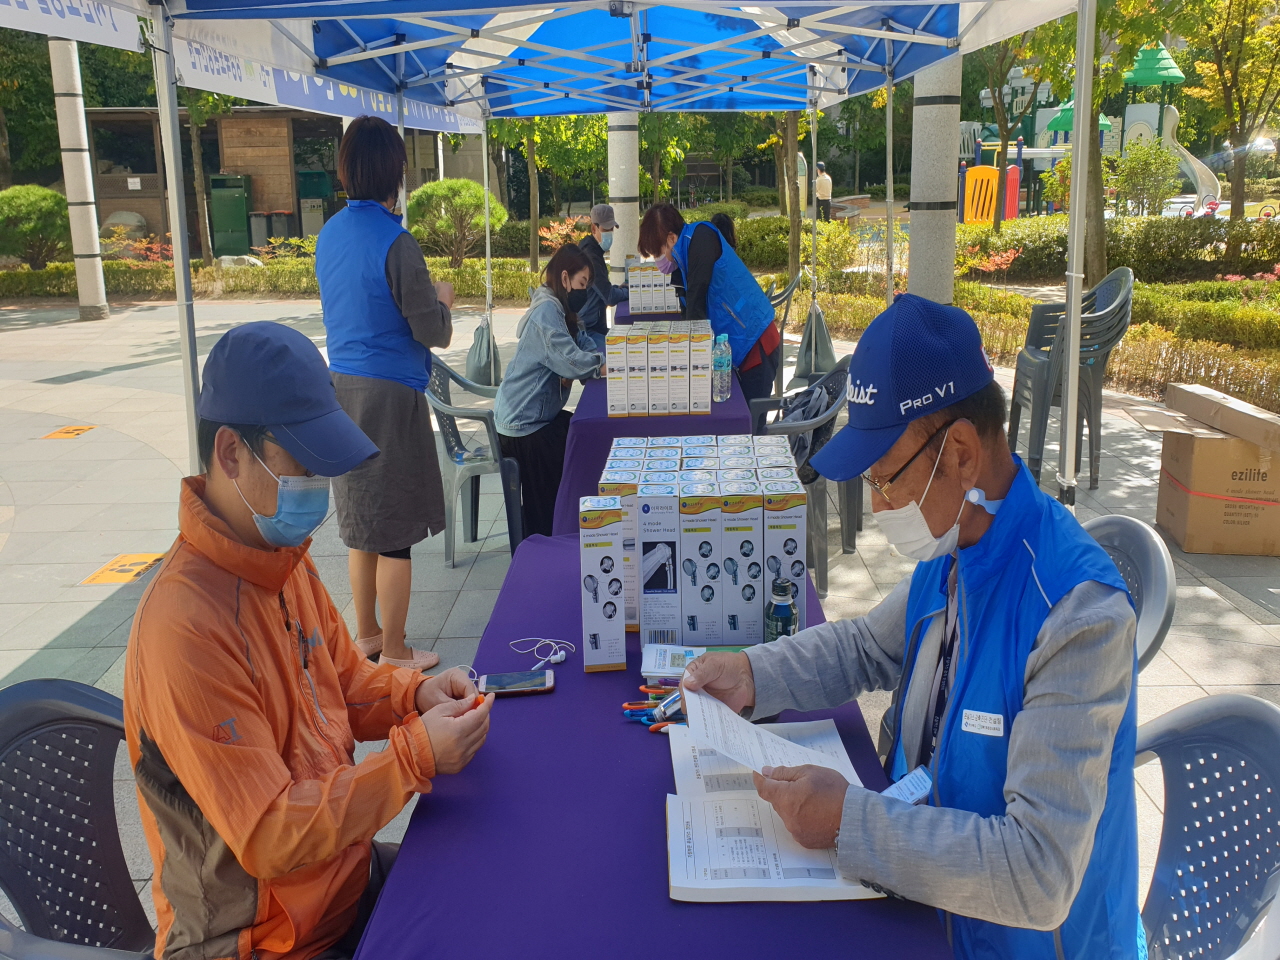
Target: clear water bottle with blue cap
x,y
780,612
721,368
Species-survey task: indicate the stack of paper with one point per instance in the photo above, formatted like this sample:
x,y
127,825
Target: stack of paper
x,y
723,842
661,662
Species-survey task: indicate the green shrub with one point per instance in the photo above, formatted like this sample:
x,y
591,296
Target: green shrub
x,y
1237,324
738,211
447,217
1043,241
762,242
901,191
759,196
33,225
1146,177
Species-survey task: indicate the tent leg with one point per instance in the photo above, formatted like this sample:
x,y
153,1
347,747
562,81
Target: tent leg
x,y
171,142
624,189
813,144
488,255
404,200
888,177
934,183
1085,28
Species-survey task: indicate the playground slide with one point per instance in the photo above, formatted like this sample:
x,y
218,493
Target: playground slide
x,y
1207,184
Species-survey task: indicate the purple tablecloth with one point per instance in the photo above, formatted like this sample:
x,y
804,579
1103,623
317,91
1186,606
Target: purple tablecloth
x,y
551,845
592,431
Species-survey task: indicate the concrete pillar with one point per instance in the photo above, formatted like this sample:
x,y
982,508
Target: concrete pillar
x,y
934,159
624,188
77,174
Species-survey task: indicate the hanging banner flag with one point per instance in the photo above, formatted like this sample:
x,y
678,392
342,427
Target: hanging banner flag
x,y
324,95
87,20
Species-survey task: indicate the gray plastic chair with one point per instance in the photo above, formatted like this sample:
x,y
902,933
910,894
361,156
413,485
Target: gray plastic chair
x,y
466,465
1037,381
1218,868
818,429
1144,561
61,864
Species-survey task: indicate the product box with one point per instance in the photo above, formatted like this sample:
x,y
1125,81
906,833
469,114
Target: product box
x,y
700,343
630,442
778,473
615,359
700,450
700,440
742,563
622,484
700,463
623,463
696,476
665,442
658,535
658,463
776,460
678,367
661,453
785,547
768,440
736,449
737,463
701,603
736,439
659,476
637,372
627,453
600,535
658,334
736,476
1218,493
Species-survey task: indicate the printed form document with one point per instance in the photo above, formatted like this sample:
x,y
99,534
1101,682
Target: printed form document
x,y
724,843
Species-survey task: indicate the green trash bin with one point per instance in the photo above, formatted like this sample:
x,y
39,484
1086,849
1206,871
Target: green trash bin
x,y
229,199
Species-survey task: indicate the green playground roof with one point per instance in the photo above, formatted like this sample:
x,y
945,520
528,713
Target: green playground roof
x,y
1065,119
1154,67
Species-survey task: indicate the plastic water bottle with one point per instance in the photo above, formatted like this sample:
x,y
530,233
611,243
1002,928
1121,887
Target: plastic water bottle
x,y
721,369
780,612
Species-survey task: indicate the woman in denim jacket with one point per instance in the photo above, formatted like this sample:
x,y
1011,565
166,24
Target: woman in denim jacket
x,y
551,353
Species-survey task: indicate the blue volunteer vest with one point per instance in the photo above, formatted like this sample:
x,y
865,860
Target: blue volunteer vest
x,y
367,335
735,303
1033,554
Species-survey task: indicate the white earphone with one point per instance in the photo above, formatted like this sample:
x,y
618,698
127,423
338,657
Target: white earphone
x,y
551,651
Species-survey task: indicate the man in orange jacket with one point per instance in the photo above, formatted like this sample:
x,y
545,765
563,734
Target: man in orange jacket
x,y
244,694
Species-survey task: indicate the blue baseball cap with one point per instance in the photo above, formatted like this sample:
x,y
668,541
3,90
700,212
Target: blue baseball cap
x,y
269,375
916,357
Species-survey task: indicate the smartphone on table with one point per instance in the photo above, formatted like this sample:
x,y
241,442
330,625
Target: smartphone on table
x,y
517,684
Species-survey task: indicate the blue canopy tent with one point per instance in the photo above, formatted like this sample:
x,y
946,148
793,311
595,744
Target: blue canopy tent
x,y
520,58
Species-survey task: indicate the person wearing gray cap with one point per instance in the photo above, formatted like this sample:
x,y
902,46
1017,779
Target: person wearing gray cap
x,y
595,245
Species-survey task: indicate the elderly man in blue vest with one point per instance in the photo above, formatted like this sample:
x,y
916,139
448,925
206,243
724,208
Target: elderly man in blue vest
x,y
1010,654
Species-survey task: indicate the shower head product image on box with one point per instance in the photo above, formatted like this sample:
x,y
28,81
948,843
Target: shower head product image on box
x,y
600,552
742,542
785,513
623,484
615,359
658,540
700,590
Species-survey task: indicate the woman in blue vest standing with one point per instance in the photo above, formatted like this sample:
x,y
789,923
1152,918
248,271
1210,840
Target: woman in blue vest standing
x,y
552,352
382,314
717,287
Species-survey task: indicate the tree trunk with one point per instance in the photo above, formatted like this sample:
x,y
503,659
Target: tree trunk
x,y
202,196
789,150
857,171
1237,203
657,174
555,194
498,153
1095,231
780,178
532,162
1002,165
728,185
6,165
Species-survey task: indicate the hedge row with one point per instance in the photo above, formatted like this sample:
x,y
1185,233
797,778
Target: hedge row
x,y
1243,325
122,278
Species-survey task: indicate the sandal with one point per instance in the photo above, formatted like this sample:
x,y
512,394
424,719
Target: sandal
x,y
370,646
421,660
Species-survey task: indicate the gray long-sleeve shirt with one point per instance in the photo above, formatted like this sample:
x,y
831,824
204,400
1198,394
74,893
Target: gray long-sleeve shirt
x,y
430,321
1019,869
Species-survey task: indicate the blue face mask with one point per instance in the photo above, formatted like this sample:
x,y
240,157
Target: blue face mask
x,y
302,503
606,240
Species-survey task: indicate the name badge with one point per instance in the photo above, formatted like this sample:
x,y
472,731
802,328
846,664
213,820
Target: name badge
x,y
987,724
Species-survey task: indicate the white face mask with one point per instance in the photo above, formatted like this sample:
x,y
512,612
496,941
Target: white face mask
x,y
908,531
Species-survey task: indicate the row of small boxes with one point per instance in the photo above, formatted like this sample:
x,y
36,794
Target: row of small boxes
x,y
659,368
701,545
650,290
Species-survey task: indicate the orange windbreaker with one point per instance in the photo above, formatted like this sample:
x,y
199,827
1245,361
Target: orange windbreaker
x,y
244,697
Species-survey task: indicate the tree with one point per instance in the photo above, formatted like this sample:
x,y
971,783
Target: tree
x,y
26,105
447,217
999,59
1239,78
790,147
34,225
731,136
573,148
1146,177
665,138
201,108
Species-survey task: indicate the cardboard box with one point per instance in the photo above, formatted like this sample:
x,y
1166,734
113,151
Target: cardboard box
x,y
700,343
742,549
658,533
622,484
701,603
604,635
678,367
1217,410
637,372
659,334
1218,493
615,359
785,545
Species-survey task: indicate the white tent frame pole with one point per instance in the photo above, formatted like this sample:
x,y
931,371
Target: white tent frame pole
x,y
488,255
404,197
888,177
1085,30
171,143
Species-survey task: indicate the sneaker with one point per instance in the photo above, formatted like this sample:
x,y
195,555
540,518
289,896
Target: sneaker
x,y
421,660
370,646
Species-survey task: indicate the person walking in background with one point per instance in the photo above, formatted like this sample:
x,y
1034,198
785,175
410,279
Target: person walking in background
x,y
382,314
717,287
822,192
592,317
724,223
551,352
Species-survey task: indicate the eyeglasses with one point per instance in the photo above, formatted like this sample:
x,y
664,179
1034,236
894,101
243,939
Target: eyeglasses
x,y
883,488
